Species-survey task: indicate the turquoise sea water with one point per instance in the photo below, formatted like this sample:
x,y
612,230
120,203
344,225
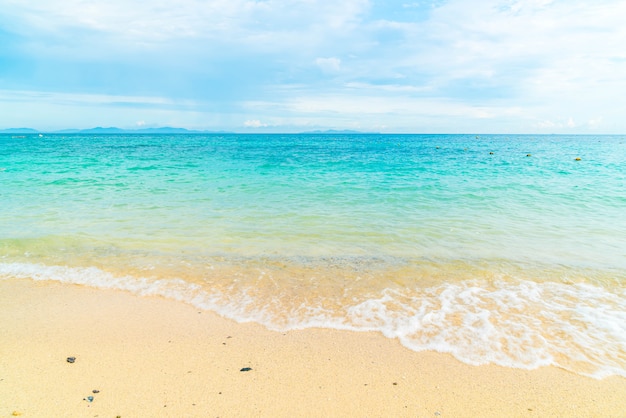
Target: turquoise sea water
x,y
497,249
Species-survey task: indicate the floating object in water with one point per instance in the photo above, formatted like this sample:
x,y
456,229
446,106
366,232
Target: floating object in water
x,y
491,153
577,158
529,155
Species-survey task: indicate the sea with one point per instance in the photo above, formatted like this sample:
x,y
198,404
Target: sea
x,y
497,249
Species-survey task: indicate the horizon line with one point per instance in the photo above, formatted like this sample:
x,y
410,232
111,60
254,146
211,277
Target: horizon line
x,y
112,130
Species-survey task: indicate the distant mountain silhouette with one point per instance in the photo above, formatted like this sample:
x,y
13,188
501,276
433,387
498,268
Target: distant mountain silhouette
x,y
19,131
109,130
167,130
114,130
100,130
162,130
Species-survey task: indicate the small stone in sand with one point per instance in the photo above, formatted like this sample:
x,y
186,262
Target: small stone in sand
x,y
71,359
245,369
95,391
88,399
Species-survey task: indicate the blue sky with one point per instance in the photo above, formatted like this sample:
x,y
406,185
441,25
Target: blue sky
x,y
484,66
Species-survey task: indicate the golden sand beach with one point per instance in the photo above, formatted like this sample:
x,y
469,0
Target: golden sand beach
x,y
151,357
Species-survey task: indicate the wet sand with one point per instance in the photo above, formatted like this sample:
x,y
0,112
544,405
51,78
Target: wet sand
x,y
148,356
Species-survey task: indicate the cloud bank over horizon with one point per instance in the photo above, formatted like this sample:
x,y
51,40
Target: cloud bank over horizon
x,y
527,66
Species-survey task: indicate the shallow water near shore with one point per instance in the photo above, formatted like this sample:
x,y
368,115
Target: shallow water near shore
x,y
497,249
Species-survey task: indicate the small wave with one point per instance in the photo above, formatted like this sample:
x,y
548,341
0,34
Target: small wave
x,y
527,325
580,327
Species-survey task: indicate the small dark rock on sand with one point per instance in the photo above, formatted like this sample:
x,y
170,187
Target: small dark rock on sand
x,y
245,369
71,359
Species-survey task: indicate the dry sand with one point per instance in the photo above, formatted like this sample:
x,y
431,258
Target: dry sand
x,y
151,357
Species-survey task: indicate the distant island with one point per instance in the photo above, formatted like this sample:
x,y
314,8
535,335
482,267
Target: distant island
x,y
19,131
163,130
109,130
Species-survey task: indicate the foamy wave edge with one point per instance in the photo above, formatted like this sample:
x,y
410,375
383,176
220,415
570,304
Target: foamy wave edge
x,y
372,315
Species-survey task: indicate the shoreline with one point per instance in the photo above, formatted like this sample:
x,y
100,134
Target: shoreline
x,y
150,356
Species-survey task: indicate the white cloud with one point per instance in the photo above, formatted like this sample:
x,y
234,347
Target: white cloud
x,y
54,110
389,88
374,109
595,123
11,96
143,22
254,123
329,65
483,38
571,123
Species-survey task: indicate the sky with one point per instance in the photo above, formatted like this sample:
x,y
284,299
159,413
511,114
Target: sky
x,y
455,66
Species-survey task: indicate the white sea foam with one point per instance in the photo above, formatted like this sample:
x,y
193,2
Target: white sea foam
x,y
580,327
